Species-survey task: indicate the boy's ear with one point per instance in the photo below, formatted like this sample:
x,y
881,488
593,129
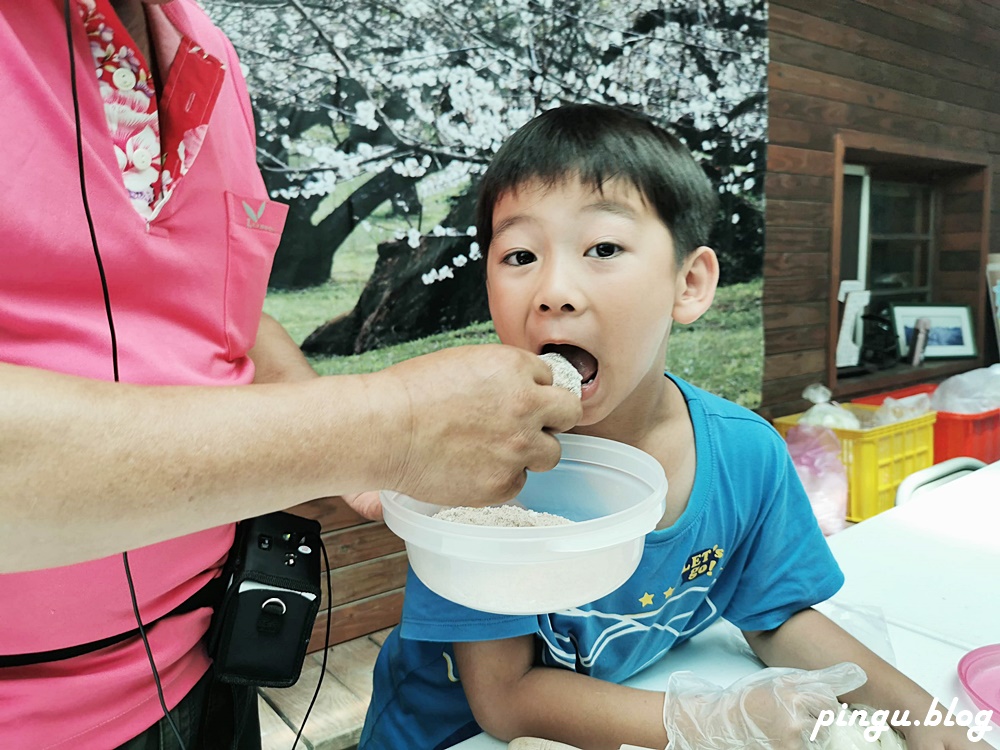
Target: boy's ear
x,y
696,283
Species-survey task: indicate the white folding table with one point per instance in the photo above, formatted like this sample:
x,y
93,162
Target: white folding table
x,y
932,566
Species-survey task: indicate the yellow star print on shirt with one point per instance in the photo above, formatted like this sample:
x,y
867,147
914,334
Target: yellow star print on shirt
x,y
646,599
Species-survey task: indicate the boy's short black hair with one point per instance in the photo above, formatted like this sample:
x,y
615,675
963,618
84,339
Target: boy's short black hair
x,y
596,143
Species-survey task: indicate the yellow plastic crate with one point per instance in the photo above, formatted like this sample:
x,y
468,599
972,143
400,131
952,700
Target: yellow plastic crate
x,y
877,460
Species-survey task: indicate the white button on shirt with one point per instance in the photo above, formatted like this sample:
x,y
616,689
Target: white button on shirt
x,y
124,79
141,159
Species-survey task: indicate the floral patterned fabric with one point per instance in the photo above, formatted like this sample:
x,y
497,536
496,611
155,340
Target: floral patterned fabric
x,y
156,131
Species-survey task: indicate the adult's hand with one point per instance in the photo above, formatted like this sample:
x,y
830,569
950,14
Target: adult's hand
x,y
133,465
477,418
365,504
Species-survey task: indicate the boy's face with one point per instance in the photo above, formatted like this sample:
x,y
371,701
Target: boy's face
x,y
591,275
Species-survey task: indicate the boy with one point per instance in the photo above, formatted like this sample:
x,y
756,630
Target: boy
x,y
594,224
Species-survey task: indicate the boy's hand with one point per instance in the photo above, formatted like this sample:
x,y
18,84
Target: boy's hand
x,y
770,710
941,738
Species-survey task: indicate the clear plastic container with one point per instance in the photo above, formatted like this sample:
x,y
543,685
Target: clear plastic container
x,y
614,493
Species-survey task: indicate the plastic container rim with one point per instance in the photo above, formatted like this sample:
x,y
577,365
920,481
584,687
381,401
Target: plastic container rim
x,y
581,536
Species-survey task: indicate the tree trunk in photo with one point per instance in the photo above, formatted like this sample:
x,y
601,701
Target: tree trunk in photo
x,y
298,261
396,305
303,257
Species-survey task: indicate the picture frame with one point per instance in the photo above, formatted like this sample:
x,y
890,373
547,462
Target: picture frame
x,y
993,292
951,335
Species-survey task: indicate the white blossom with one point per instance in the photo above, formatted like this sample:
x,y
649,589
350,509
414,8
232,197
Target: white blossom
x,y
441,86
364,114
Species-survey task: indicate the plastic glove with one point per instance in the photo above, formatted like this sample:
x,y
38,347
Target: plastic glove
x,y
536,743
771,709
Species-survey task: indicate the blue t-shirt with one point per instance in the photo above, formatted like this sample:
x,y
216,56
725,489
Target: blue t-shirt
x,y
747,548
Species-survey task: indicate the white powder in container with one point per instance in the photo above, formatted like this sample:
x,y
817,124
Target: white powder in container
x,y
500,515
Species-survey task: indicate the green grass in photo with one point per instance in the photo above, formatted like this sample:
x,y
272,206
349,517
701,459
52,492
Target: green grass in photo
x,y
722,353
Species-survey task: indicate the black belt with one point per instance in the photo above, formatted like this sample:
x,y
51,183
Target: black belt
x,y
208,595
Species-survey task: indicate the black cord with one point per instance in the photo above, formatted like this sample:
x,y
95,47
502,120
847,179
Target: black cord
x,y
114,345
326,642
149,653
83,192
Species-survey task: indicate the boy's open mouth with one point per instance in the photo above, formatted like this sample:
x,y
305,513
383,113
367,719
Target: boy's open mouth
x,y
584,362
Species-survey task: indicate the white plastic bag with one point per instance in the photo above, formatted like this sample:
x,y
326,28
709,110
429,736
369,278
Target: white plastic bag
x,y
866,622
815,453
895,410
972,392
826,413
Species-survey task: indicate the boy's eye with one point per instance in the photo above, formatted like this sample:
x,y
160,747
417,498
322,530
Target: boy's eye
x,y
604,250
519,258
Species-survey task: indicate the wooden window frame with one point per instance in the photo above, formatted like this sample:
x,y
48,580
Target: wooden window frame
x,y
940,165
930,236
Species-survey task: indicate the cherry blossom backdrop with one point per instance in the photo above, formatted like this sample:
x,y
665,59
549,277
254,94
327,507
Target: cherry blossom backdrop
x,y
378,116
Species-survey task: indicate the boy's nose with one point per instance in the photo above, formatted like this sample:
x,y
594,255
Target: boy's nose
x,y
561,298
559,292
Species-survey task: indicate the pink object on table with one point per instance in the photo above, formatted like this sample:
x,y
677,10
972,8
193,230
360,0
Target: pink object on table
x,y
979,672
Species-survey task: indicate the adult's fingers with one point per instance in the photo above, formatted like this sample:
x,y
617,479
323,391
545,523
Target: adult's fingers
x,y
545,454
561,409
366,504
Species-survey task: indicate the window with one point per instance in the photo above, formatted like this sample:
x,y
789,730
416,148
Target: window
x,y
887,237
912,227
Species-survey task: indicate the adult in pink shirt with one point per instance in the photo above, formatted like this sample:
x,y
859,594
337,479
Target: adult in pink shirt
x,y
162,463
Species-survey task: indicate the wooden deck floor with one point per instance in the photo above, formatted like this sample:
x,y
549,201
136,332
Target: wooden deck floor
x,y
336,719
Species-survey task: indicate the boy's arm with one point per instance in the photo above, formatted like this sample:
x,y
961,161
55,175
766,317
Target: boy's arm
x,y
512,697
809,640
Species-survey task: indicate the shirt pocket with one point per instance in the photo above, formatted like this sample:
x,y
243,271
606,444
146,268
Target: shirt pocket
x,y
254,230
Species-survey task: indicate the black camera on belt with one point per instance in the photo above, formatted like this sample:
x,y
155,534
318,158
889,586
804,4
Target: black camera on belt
x,y
262,626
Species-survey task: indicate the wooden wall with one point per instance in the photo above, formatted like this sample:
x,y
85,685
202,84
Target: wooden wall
x,y
962,208
368,571
926,72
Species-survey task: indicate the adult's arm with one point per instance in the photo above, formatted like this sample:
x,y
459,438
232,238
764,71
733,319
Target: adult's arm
x,y
276,356
91,468
278,359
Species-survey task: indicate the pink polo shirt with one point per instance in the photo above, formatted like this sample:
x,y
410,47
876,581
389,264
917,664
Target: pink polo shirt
x,y
186,289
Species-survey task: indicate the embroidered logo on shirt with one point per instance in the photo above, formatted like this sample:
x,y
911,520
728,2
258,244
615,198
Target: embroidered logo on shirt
x,y
254,217
702,563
